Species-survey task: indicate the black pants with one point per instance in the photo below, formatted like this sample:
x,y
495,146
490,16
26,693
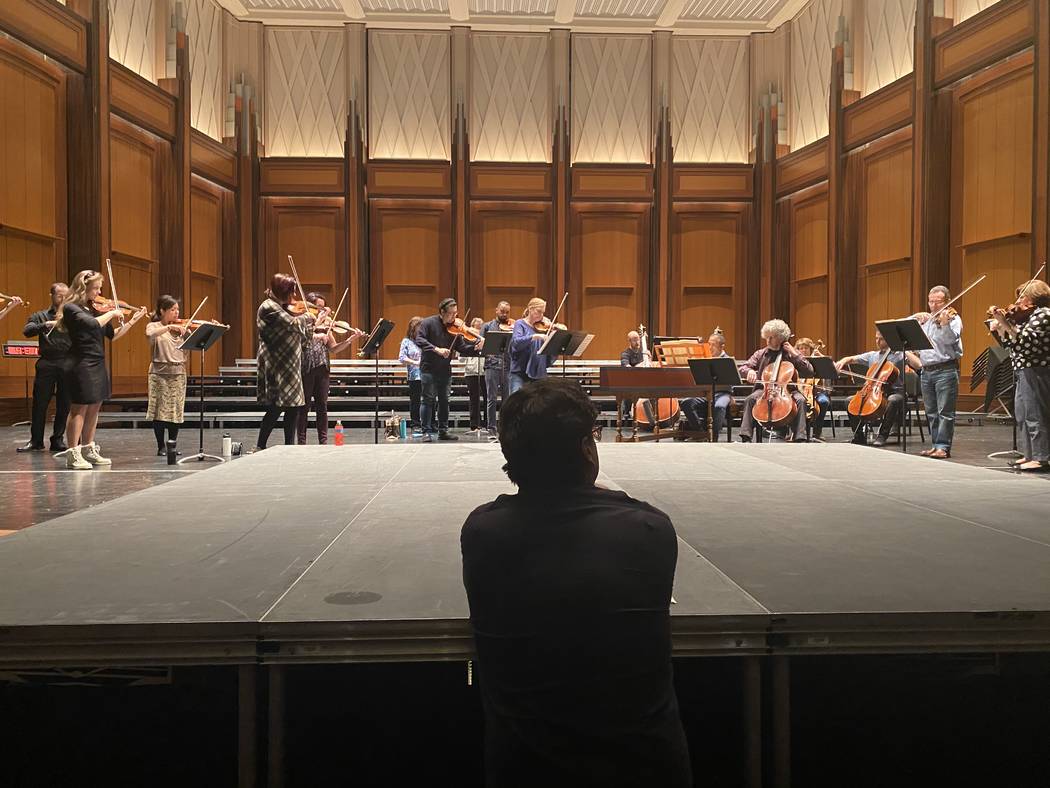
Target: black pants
x,y
291,424
158,431
476,390
890,419
415,394
797,429
51,380
436,389
316,383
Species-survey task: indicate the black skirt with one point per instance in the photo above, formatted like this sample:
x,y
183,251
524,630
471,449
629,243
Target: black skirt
x,y
88,381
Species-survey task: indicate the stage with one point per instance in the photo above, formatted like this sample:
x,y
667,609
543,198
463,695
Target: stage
x,y
306,555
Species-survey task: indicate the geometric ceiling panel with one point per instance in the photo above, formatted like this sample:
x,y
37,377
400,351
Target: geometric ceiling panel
x,y
629,9
131,39
204,37
889,41
523,7
812,39
406,6
292,5
732,10
510,98
709,99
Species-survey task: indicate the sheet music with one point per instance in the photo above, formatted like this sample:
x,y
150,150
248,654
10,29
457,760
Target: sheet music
x,y
583,345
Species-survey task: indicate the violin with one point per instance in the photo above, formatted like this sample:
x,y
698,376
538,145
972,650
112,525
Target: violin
x,y
777,406
340,327
100,305
5,297
869,404
299,308
544,326
1017,314
460,329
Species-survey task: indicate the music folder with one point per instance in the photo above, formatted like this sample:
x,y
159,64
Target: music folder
x,y
715,371
561,342
496,343
824,367
901,334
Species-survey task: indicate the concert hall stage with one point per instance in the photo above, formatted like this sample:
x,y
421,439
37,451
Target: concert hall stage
x,y
307,555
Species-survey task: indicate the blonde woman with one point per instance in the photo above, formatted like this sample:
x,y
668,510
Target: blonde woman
x,y
526,365
87,326
167,371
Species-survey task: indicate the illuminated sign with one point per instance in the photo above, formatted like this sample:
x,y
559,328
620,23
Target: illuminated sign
x,y
21,350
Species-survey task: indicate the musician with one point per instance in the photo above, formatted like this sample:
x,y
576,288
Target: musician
x,y
52,373
940,370
526,365
695,408
282,337
895,397
474,371
438,345
88,379
497,368
821,398
317,371
569,588
410,355
167,371
632,356
1030,356
12,302
776,333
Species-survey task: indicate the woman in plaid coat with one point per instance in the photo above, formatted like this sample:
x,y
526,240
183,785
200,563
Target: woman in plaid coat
x,y
280,361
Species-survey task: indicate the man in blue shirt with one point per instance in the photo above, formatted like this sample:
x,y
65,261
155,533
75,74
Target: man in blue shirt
x,y
895,397
940,370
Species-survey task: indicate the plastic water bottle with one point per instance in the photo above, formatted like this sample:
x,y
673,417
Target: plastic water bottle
x,y
403,429
339,433
227,445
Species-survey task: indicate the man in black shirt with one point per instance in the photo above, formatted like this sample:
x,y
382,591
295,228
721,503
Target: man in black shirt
x,y
51,369
497,367
569,587
632,356
435,367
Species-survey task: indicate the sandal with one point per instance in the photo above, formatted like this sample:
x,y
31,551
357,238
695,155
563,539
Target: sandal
x,y
940,454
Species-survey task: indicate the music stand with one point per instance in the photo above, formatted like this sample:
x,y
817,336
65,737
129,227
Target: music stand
x,y
905,336
371,348
715,372
824,369
202,338
496,343
561,342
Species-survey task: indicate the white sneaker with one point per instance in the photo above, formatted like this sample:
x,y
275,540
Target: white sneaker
x,y
74,460
90,453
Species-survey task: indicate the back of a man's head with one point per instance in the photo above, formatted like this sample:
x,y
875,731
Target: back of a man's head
x,y
546,433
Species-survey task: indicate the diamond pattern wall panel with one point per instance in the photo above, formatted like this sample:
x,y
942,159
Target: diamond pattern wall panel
x,y
964,9
630,9
204,35
510,82
709,99
406,6
305,92
408,95
525,7
812,37
611,114
750,10
131,36
889,41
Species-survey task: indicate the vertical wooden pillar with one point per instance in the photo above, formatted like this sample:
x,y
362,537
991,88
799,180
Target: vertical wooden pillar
x,y
241,291
356,198
88,142
1041,150
663,162
175,227
758,302
460,166
562,161
842,268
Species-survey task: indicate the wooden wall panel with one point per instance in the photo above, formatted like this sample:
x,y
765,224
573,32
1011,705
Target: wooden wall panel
x,y
312,231
49,27
609,272
141,102
411,257
302,176
207,241
130,355
809,264
709,248
991,222
986,38
510,256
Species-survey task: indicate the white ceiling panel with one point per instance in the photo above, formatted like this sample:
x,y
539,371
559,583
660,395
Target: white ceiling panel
x,y
292,5
405,6
621,9
513,7
732,10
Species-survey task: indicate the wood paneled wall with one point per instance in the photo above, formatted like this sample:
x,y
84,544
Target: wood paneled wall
x,y
208,209
809,292
32,190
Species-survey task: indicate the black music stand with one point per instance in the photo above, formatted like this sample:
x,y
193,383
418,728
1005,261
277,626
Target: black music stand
x,y
202,338
561,342
371,348
715,372
905,336
496,343
825,369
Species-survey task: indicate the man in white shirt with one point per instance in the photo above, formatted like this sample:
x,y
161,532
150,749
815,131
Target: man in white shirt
x,y
940,370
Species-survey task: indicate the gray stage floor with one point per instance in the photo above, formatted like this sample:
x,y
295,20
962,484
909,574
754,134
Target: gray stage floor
x,y
324,554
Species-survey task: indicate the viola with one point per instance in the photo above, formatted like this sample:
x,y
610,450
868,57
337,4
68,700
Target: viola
x,y
869,404
777,406
338,327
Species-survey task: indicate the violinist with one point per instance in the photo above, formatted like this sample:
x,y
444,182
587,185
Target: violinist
x,y
526,364
817,393
167,371
282,337
438,337
776,333
88,320
1029,344
940,370
317,370
695,408
497,368
895,399
52,373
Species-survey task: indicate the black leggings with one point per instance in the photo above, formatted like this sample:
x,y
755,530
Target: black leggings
x,y
291,421
158,431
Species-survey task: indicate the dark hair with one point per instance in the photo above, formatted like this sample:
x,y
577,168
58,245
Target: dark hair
x,y
313,298
164,303
281,287
57,285
445,303
541,427
413,327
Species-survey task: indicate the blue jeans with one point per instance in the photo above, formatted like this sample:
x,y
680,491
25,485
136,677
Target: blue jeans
x,y
695,410
516,381
496,390
436,389
823,405
940,387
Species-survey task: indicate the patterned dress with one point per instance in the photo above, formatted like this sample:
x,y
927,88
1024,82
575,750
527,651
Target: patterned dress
x,y
280,360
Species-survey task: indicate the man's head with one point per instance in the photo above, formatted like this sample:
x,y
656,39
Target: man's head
x,y
58,292
634,340
546,431
880,341
448,309
502,311
776,333
717,343
938,297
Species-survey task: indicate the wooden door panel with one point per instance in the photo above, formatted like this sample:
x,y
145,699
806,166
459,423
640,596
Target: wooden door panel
x,y
510,256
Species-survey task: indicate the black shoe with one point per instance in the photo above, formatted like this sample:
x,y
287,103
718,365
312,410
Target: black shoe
x,y
427,438
743,439
30,447
878,440
444,436
161,451
59,445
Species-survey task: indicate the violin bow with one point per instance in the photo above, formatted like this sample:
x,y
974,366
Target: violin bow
x,y
195,311
335,315
302,293
555,318
113,290
980,279
1031,281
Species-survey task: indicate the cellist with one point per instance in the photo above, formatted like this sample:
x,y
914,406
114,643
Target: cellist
x,y
895,400
776,333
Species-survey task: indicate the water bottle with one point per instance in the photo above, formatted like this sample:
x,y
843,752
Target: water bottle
x,y
227,445
404,429
172,453
339,433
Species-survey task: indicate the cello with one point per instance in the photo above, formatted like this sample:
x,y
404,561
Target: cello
x,y
776,407
648,413
869,404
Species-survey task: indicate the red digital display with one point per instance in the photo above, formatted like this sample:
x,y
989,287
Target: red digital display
x,y
21,351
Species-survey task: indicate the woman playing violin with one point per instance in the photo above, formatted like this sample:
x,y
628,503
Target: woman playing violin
x,y
526,364
88,321
1030,355
776,333
167,370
